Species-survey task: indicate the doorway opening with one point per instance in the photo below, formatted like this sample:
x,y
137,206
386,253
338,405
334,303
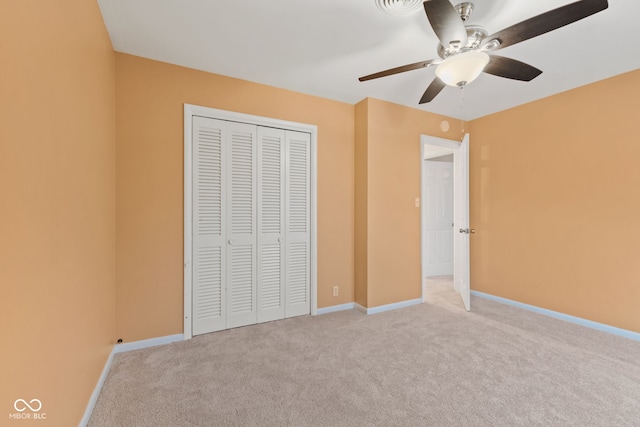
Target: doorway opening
x,y
444,217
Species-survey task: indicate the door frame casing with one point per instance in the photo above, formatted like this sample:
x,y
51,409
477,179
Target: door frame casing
x,y
194,110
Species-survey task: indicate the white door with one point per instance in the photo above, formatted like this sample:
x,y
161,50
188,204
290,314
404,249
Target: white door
x,y
438,207
209,224
251,222
271,220
248,220
241,225
461,222
298,223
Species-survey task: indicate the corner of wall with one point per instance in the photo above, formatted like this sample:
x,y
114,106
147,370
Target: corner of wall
x,y
361,118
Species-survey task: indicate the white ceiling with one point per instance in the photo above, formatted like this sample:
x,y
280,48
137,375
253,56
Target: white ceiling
x,y
322,47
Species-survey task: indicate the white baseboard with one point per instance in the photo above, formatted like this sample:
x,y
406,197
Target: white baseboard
x,y
387,307
121,348
334,308
96,391
151,342
360,308
561,316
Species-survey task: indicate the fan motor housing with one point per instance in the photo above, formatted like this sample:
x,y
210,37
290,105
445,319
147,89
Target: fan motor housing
x,y
475,36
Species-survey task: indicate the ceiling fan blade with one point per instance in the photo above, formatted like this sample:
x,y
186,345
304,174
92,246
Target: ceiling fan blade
x,y
511,69
397,70
432,91
548,21
446,22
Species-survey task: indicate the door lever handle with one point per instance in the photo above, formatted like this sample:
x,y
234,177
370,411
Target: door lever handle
x,y
467,230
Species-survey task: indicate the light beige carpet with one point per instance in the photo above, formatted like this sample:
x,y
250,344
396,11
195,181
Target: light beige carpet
x,y
423,365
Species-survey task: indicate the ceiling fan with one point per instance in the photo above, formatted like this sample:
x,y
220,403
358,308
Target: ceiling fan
x,y
466,51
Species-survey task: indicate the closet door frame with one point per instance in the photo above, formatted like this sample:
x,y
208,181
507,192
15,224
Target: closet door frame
x,y
194,110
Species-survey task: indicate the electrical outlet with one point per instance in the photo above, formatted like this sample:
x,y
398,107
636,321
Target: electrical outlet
x,y
335,291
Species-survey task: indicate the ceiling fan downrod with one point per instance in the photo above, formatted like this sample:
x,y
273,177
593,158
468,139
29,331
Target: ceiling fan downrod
x,y
464,10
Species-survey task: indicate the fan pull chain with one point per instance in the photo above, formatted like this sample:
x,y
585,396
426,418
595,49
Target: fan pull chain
x,y
462,113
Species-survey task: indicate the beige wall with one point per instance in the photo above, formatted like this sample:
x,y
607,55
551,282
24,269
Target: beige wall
x,y
150,98
552,184
57,206
392,184
555,202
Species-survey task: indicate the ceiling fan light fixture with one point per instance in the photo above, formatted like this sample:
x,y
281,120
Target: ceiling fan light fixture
x,y
463,68
400,7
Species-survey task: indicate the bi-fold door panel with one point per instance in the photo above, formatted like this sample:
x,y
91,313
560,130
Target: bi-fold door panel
x,y
298,223
271,210
241,225
209,224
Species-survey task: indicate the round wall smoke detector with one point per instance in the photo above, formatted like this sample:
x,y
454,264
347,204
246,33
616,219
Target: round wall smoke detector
x,y
400,7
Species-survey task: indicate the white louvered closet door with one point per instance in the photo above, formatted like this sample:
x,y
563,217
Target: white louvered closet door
x,y
241,225
251,224
209,246
271,208
298,223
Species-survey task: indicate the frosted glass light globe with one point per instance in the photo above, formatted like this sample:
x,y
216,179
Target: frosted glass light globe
x,y
463,68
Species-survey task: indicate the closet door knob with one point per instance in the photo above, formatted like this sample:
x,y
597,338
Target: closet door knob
x,y
230,241
279,239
